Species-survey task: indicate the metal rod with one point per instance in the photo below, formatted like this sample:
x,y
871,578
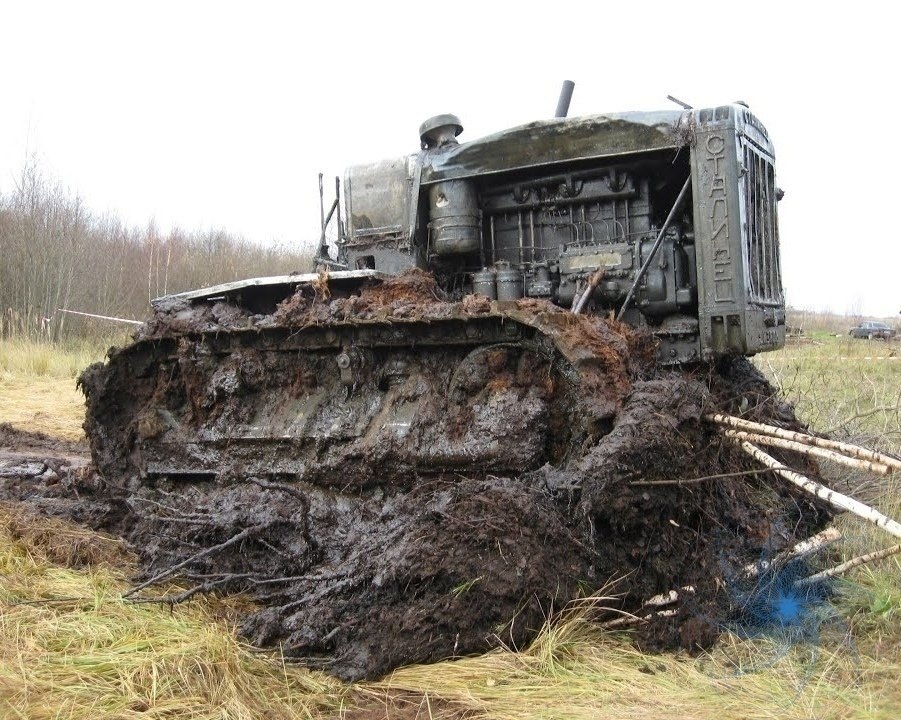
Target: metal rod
x,y
532,233
321,206
327,220
100,317
685,105
522,240
493,252
566,94
580,301
338,206
683,193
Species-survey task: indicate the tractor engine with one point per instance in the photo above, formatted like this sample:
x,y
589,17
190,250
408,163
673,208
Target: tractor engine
x,y
666,220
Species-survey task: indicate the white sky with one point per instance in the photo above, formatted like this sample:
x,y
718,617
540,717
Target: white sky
x,y
214,114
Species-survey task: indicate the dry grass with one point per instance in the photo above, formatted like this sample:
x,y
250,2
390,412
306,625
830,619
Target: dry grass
x,y
574,670
37,385
44,404
70,647
28,358
62,543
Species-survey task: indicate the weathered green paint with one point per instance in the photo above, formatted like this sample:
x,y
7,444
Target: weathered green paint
x,y
548,142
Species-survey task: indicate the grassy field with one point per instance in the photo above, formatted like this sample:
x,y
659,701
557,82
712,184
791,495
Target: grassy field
x,y
37,384
71,647
840,385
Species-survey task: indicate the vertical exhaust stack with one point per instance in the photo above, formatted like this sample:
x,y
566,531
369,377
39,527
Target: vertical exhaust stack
x,y
566,94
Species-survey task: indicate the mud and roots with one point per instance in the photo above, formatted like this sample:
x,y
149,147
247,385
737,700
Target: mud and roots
x,y
373,565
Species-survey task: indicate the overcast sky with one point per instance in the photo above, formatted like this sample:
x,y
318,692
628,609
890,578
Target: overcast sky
x,y
216,114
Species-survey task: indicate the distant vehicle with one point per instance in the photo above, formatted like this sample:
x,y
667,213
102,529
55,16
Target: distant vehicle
x,y
871,329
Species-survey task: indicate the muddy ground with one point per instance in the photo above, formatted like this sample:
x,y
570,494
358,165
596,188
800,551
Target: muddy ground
x,y
398,564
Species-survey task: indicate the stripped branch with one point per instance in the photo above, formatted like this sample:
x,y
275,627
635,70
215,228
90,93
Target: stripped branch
x,y
206,587
844,448
857,416
243,535
703,478
658,601
627,620
279,487
811,545
848,565
878,468
836,499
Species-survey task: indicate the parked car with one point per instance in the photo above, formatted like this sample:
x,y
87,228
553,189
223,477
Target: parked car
x,y
871,329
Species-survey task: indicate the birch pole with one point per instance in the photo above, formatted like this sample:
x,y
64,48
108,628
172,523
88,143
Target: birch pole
x,y
809,546
834,498
841,447
848,565
874,467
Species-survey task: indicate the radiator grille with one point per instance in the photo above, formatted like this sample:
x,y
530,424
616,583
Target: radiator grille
x,y
761,229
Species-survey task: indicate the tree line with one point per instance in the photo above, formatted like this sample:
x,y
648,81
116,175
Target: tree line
x,y
55,253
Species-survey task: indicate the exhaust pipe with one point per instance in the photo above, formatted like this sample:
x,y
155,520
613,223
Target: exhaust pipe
x,y
566,94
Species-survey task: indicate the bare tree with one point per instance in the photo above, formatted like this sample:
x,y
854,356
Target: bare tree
x,y
56,253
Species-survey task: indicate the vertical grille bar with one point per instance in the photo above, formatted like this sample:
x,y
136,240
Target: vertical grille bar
x,y
761,228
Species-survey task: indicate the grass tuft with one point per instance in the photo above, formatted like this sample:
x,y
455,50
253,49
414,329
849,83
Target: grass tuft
x,y
30,358
71,647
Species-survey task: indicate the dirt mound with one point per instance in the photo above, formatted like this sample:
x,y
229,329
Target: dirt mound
x,y
436,499
31,461
361,582
56,477
369,583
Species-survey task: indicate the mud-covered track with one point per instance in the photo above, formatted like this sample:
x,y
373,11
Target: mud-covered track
x,y
348,403
397,478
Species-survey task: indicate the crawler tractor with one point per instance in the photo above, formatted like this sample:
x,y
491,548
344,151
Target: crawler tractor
x,y
445,331
451,425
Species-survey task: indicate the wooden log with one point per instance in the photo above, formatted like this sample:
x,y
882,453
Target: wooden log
x,y
627,620
657,601
834,498
848,565
841,447
878,468
811,545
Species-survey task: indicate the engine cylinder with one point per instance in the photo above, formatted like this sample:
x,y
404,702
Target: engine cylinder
x,y
509,282
484,283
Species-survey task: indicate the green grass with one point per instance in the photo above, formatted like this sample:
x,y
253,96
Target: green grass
x,y
845,387
851,389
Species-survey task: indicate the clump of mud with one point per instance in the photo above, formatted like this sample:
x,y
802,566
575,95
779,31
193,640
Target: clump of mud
x,y
378,560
